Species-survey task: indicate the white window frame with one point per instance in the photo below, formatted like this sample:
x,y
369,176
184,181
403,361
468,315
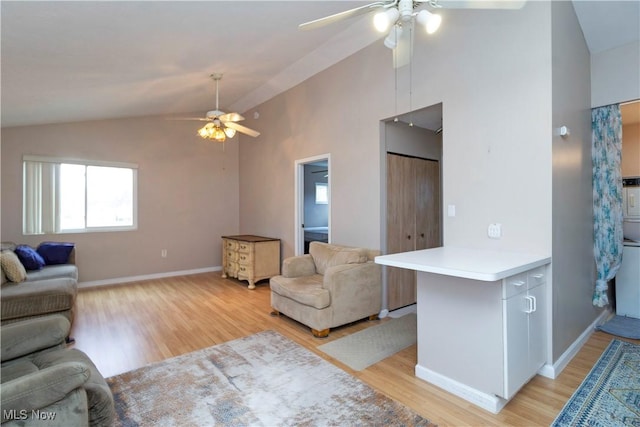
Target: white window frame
x,y
325,191
50,223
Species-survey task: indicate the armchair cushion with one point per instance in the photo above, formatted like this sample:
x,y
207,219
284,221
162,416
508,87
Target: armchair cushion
x,y
306,290
326,255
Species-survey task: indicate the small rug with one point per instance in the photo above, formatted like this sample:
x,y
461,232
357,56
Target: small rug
x,y
371,345
622,326
610,394
260,380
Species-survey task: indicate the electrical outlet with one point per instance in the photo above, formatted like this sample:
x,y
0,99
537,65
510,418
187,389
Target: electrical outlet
x,y
494,231
163,253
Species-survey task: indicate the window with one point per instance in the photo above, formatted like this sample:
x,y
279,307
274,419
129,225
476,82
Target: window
x,y
67,196
322,193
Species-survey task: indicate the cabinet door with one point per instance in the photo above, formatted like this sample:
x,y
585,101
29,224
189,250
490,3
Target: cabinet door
x,y
537,330
516,343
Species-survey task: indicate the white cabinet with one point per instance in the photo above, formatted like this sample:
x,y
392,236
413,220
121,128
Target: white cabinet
x,y
524,328
481,320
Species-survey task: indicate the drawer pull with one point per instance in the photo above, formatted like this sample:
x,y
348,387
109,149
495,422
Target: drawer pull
x,y
538,276
518,283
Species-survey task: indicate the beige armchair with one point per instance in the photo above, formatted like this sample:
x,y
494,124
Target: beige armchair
x,y
331,286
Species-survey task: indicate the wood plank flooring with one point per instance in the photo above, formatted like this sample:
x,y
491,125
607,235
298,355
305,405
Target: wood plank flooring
x,y
127,326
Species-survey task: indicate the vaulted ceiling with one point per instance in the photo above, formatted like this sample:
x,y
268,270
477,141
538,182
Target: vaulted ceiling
x,y
83,60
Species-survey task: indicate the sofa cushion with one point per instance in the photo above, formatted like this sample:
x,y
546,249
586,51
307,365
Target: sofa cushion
x,y
326,255
55,253
34,299
306,290
52,272
29,257
12,266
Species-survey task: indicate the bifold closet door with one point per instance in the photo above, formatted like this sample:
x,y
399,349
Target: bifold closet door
x,y
413,219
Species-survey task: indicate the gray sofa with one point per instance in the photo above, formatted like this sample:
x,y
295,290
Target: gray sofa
x,y
50,290
46,383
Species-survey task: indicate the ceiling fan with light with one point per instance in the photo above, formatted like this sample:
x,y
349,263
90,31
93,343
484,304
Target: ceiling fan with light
x,y
393,16
221,125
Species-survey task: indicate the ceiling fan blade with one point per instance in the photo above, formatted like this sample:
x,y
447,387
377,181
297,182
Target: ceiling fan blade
x,y
321,22
201,119
242,129
477,4
231,117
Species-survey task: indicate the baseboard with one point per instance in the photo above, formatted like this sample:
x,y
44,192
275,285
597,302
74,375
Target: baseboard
x,y
552,371
490,402
402,311
123,280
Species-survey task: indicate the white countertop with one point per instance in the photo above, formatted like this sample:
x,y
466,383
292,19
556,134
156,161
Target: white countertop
x,y
478,264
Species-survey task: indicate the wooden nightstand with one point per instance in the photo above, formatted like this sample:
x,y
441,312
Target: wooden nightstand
x,y
250,258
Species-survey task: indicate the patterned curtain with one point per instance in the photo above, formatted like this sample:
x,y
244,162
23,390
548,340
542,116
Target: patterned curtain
x,y
606,136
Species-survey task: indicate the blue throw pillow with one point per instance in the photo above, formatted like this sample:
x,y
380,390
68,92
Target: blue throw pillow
x,y
55,253
29,257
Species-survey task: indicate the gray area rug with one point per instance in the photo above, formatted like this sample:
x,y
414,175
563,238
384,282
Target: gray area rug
x,y
260,380
622,326
371,345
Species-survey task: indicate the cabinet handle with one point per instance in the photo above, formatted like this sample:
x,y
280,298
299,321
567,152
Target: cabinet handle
x,y
422,235
538,276
532,304
409,236
518,283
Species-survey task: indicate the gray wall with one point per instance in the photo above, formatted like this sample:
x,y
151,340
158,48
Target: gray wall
x,y
187,193
573,263
615,75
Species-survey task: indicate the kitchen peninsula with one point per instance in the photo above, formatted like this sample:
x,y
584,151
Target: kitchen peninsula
x,y
482,320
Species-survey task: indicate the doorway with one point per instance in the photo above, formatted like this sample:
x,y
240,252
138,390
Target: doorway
x,y
312,201
411,205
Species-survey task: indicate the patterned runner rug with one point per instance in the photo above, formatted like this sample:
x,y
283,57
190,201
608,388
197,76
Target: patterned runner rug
x,y
610,394
260,380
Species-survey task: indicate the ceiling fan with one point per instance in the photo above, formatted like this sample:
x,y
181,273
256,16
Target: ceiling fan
x,y
220,124
394,16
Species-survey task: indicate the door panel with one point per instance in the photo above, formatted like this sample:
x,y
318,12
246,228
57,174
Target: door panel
x,y
428,210
401,205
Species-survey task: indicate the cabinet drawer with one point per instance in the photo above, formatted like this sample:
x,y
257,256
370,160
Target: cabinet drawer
x,y
245,258
514,285
231,244
232,255
244,247
536,277
245,270
232,267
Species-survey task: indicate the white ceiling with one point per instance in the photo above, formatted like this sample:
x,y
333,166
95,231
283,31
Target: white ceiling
x,y
84,60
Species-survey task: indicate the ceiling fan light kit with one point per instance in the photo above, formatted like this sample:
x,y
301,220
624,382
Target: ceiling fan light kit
x,y
394,14
221,125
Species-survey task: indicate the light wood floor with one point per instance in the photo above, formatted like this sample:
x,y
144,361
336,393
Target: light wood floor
x,y
128,326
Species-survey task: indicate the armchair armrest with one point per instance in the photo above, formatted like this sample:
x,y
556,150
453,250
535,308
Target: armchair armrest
x,y
41,389
32,335
298,266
